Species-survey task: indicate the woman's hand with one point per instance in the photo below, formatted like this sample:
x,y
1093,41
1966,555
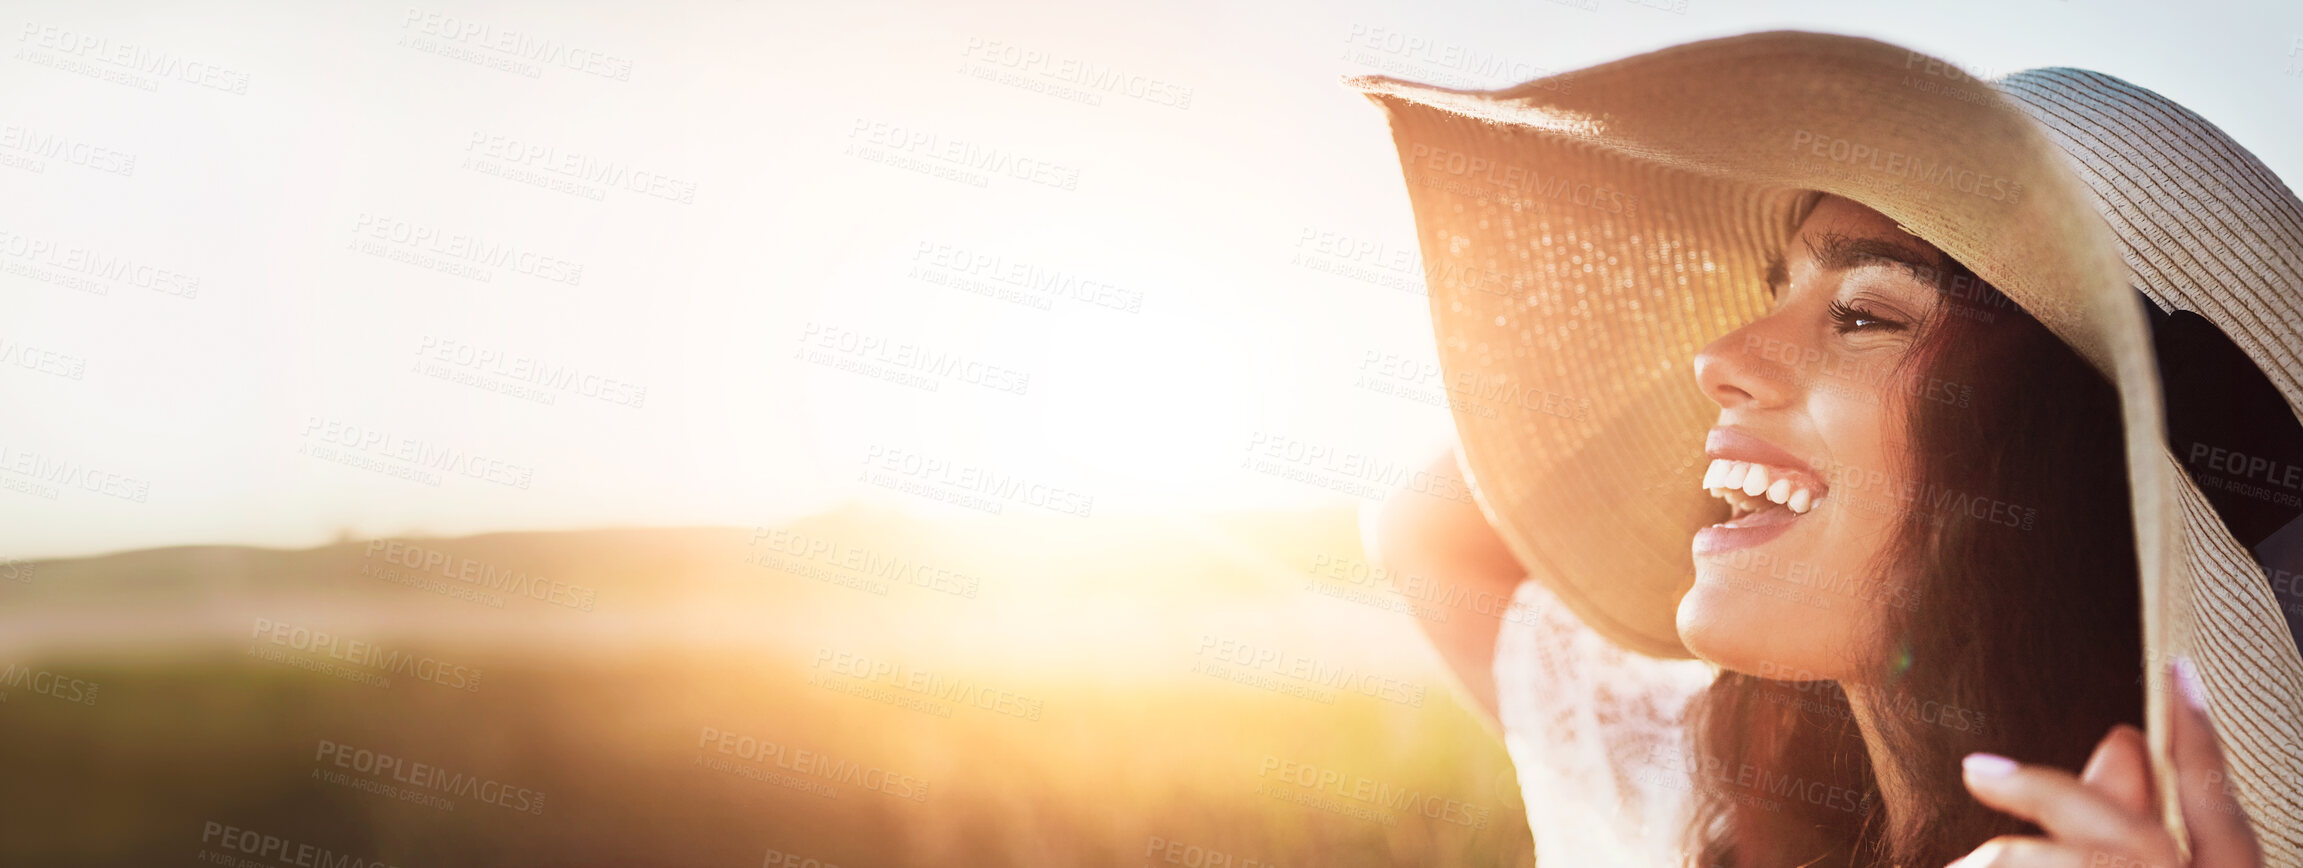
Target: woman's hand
x,y
2106,817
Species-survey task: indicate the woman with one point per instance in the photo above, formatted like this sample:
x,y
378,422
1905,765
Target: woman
x,y
1916,487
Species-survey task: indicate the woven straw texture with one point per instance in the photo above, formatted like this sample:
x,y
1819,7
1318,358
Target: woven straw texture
x,y
2205,227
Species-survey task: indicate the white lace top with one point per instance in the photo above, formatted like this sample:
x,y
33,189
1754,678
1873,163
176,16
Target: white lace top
x,y
1595,733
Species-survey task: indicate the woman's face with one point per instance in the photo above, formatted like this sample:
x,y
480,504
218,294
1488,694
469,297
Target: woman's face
x,y
1811,397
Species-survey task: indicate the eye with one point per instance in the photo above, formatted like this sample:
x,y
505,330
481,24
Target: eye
x,y
1847,318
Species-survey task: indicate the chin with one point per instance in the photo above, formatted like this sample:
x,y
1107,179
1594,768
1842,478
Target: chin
x,y
1731,621
1707,622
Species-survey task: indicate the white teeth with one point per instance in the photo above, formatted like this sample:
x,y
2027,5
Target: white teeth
x,y
1750,487
1756,481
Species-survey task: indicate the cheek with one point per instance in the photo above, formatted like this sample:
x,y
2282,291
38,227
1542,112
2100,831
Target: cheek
x,y
1863,432
1859,423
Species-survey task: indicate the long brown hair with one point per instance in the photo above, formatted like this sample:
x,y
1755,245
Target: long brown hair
x,y
2022,632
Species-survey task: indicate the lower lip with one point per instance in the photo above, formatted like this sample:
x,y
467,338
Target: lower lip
x,y
1720,539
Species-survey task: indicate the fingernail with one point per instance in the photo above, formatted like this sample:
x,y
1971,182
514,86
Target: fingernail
x,y
2187,684
1982,855
1988,765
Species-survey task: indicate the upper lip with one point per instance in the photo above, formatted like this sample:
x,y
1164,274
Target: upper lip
x,y
1735,444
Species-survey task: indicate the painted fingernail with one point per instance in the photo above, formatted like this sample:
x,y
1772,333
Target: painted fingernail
x,y
1988,765
2187,683
1982,856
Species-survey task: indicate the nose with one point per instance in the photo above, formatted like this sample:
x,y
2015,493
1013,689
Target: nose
x,y
1744,369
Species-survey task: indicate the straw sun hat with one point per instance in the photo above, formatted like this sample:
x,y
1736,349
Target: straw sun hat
x,y
1584,235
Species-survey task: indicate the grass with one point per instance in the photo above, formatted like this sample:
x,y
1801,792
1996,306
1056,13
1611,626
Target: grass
x,y
1094,736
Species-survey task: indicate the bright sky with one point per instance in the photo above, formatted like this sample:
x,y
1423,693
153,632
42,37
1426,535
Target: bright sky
x,y
573,265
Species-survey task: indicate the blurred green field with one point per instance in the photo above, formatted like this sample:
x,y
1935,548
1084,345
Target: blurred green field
x,y
1176,691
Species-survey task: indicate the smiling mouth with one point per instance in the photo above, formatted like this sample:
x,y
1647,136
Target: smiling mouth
x,y
1758,495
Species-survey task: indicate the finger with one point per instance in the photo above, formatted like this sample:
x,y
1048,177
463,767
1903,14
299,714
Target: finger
x,y
2055,801
2221,837
2015,851
2121,770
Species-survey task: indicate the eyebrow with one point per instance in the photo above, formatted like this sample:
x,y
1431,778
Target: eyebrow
x,y
1837,252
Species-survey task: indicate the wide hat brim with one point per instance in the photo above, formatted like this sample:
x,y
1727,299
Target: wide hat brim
x,y
1585,235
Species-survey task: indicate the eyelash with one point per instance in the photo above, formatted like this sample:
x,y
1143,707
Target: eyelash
x,y
1846,318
